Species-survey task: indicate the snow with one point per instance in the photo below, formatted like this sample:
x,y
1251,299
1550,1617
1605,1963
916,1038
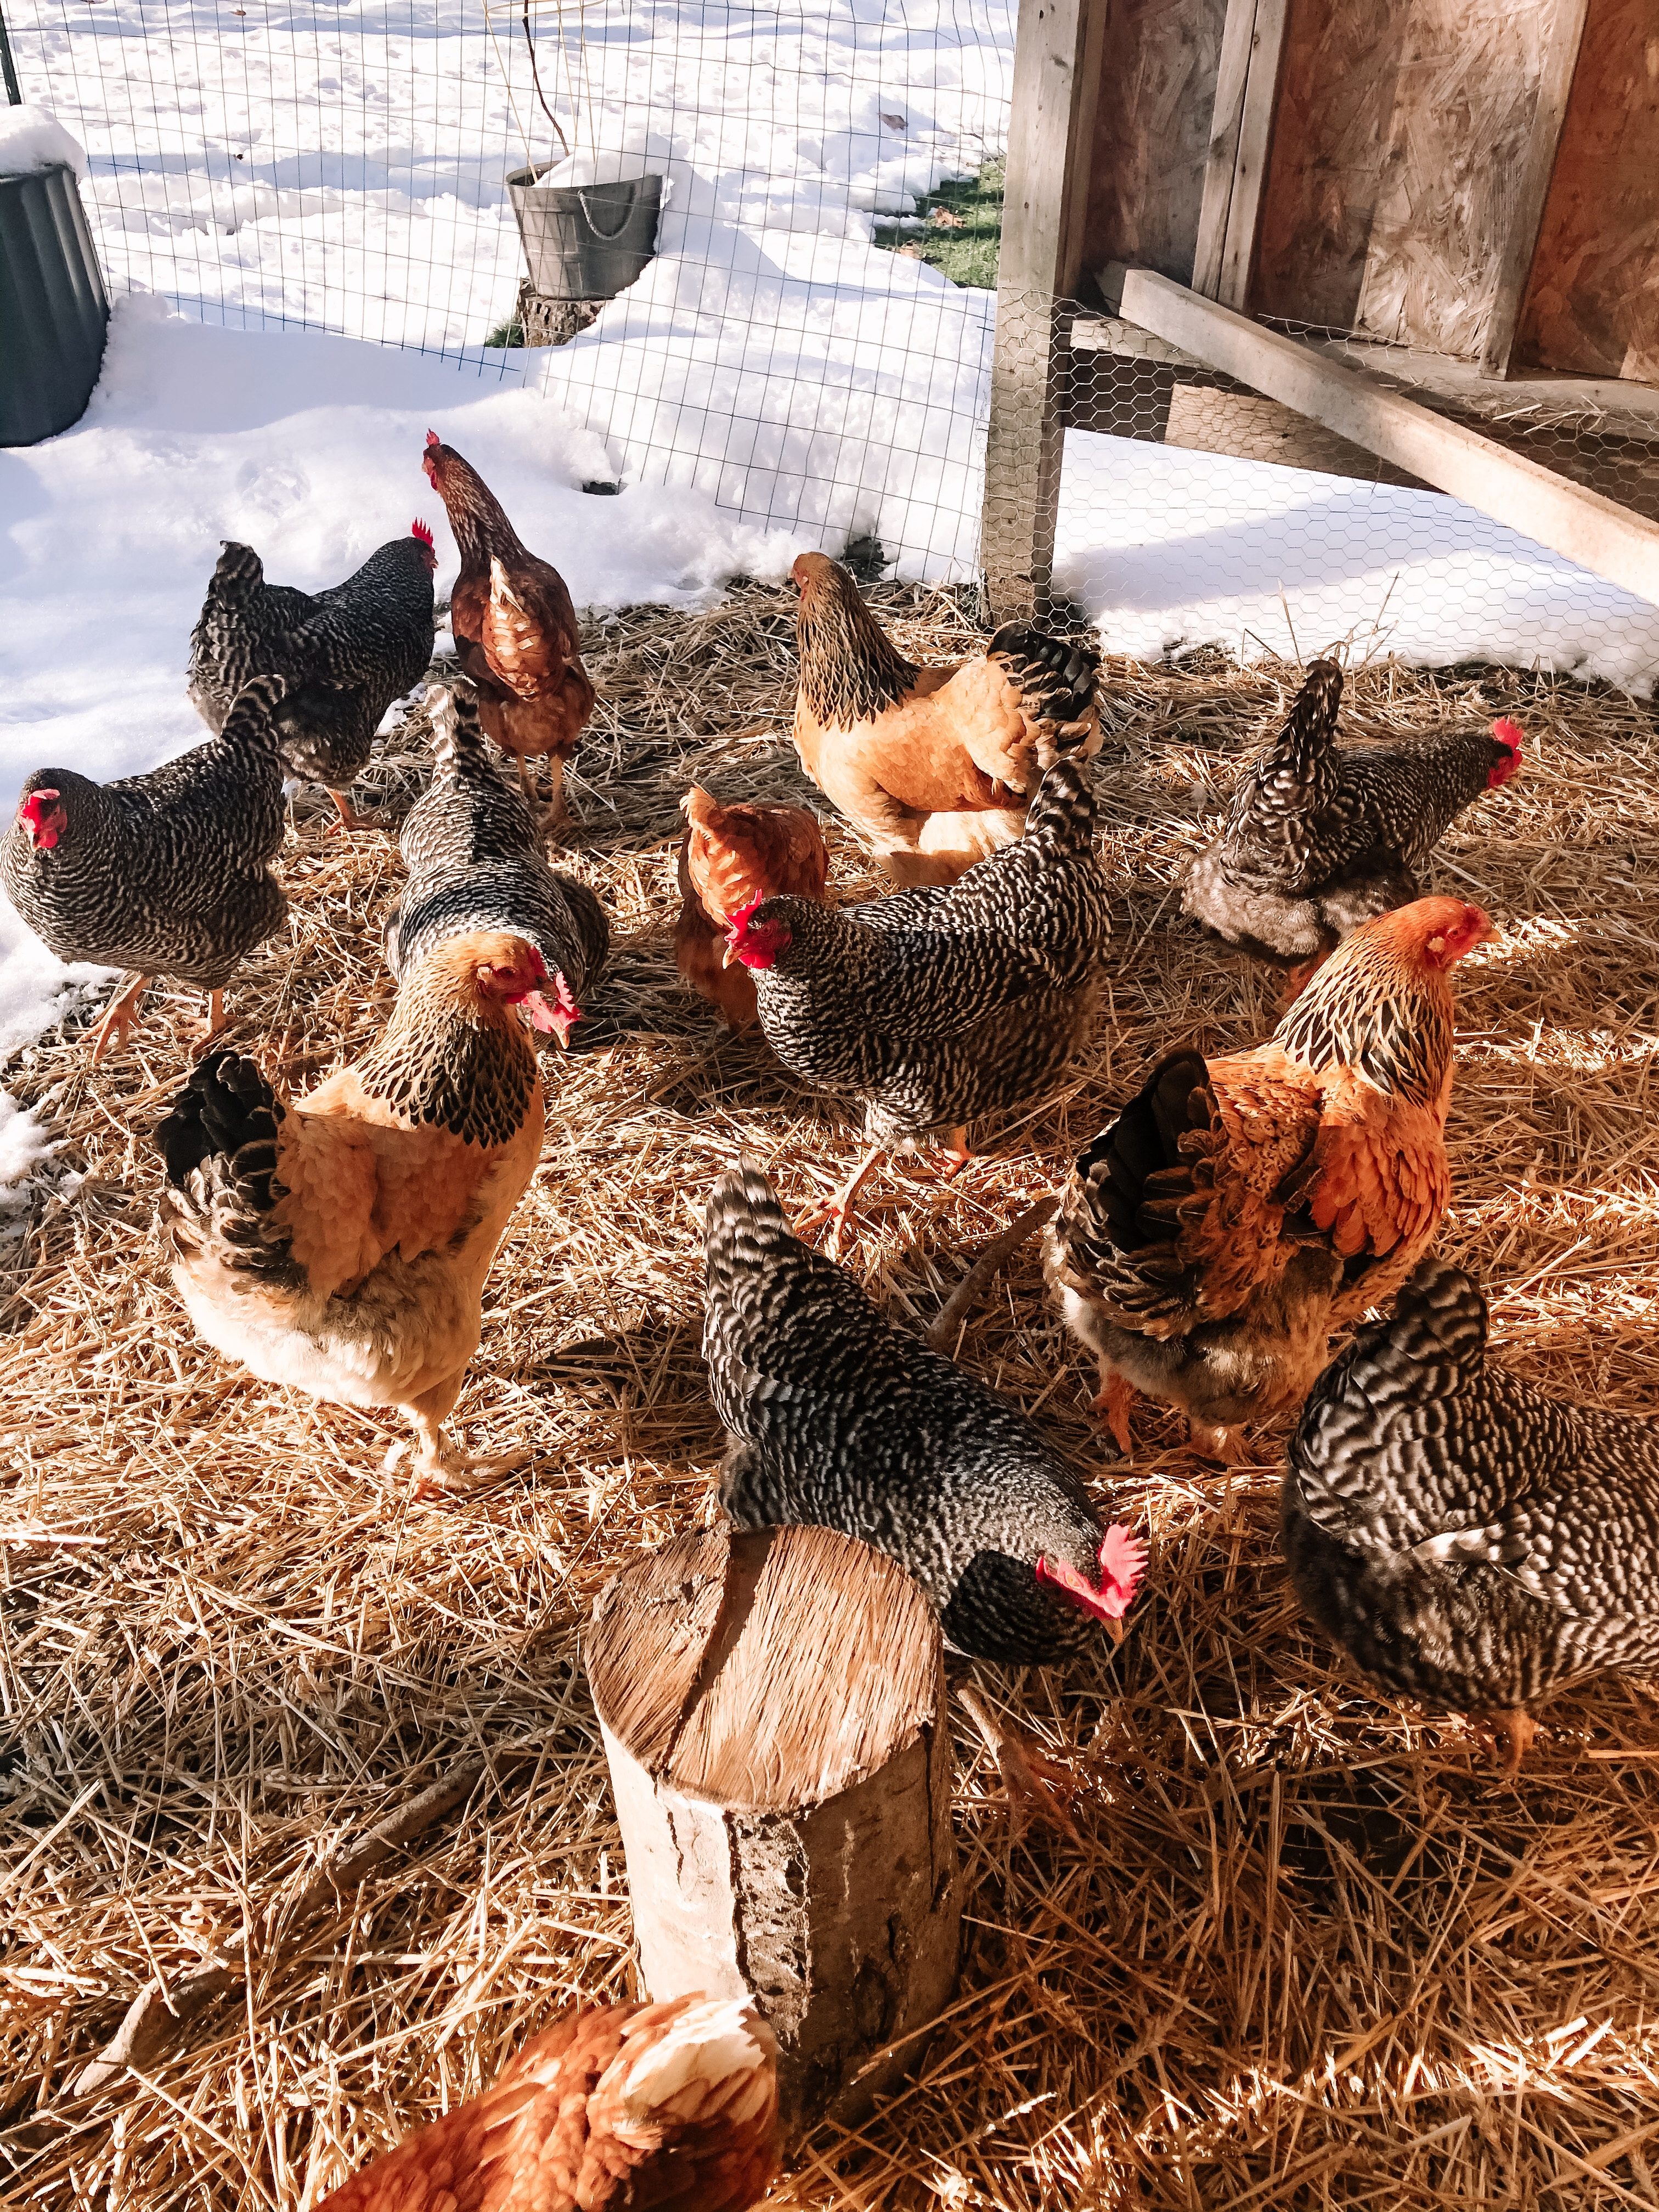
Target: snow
x,y
307,448
31,138
23,1144
1167,549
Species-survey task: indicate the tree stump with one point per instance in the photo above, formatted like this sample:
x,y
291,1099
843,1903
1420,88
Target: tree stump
x,y
773,1706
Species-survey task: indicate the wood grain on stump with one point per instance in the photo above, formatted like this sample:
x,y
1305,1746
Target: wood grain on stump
x,y
773,1707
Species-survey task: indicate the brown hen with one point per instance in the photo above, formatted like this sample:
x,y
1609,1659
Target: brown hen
x,y
935,765
340,1244
673,2106
515,626
1240,1209
730,857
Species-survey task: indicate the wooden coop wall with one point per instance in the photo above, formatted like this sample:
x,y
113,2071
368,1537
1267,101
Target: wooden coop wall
x,y
1399,134
1592,301
1159,61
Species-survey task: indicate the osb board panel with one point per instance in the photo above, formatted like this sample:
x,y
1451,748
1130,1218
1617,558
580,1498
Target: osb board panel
x,y
1592,304
1399,141
1158,68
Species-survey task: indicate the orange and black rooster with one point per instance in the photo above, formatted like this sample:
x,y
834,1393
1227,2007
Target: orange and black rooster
x,y
515,627
935,765
672,2106
1239,1209
730,857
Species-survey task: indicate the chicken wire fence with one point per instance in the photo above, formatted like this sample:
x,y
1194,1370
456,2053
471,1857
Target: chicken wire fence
x,y
785,352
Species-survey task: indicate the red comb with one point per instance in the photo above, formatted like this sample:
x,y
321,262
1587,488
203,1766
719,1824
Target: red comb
x,y
738,920
421,530
1122,1559
433,439
1508,733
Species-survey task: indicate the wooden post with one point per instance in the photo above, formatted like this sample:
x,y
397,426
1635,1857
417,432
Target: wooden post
x,y
1241,134
1045,198
773,1709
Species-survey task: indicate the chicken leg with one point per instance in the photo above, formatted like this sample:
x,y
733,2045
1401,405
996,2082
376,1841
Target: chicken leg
x,y
216,1021
840,1209
1114,1399
1512,1734
349,818
116,1023
1035,1783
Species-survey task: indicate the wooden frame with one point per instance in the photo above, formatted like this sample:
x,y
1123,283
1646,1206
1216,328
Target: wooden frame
x,y
1560,60
1247,93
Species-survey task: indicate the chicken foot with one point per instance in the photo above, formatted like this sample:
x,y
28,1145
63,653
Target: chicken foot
x,y
349,819
1034,1781
118,1022
1113,1400
840,1209
554,813
1512,1734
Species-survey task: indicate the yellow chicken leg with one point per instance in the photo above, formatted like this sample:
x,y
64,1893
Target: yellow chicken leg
x,y
1115,1398
955,1153
840,1209
116,1023
1035,1783
349,818
1512,1734
216,1021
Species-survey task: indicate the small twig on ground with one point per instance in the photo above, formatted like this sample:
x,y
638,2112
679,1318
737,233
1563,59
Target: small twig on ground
x,y
942,1335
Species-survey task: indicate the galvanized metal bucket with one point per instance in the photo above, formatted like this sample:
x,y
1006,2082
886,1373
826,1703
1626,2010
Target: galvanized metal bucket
x,y
584,241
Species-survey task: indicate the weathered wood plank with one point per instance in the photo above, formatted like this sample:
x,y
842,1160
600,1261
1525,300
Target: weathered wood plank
x,y
1255,131
1569,518
1226,121
1157,76
1592,301
1527,215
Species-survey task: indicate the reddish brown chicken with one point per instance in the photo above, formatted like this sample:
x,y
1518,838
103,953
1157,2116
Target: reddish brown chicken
x,y
936,766
730,857
673,2106
515,627
1240,1209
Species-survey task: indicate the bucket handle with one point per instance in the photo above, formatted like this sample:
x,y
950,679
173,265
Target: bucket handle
x,y
598,231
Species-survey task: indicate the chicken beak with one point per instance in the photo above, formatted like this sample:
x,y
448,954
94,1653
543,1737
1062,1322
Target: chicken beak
x,y
730,952
1114,1628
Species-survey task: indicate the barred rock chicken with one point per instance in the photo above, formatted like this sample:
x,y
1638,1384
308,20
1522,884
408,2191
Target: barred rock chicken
x,y
934,1006
1239,1209
474,860
345,653
168,873
729,856
340,1244
935,765
839,1419
673,2106
515,627
1319,838
1471,1542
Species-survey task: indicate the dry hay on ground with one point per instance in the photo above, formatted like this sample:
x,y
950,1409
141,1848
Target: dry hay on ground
x,y
1314,1953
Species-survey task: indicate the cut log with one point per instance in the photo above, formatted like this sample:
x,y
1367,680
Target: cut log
x,y
773,1708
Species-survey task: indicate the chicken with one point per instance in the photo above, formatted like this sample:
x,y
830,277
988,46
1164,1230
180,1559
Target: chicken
x,y
345,653
1470,1542
935,765
729,856
1240,1209
475,862
1318,838
934,1006
340,1244
839,1419
168,873
669,2105
515,627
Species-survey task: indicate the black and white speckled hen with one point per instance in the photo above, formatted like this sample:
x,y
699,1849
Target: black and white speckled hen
x,y
840,1420
1240,1209
935,1005
347,654
1319,837
168,873
1470,1542
473,852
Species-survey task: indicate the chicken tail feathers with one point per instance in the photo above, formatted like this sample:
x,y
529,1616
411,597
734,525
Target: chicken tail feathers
x,y
744,1227
255,721
457,736
1062,815
1057,680
1369,1404
238,575
218,1143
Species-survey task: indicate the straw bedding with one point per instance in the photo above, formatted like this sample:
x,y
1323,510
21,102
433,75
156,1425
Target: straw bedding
x,y
1311,1951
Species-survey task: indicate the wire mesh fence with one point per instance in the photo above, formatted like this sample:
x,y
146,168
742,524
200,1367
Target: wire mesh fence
x,y
811,345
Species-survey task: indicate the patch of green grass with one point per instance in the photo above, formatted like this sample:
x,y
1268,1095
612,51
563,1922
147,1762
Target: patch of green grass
x,y
964,248
510,333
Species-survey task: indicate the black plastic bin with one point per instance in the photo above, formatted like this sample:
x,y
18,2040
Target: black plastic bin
x,y
584,241
53,312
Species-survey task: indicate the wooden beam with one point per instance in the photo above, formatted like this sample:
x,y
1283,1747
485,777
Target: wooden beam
x,y
1569,518
1241,137
1531,189
1050,131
